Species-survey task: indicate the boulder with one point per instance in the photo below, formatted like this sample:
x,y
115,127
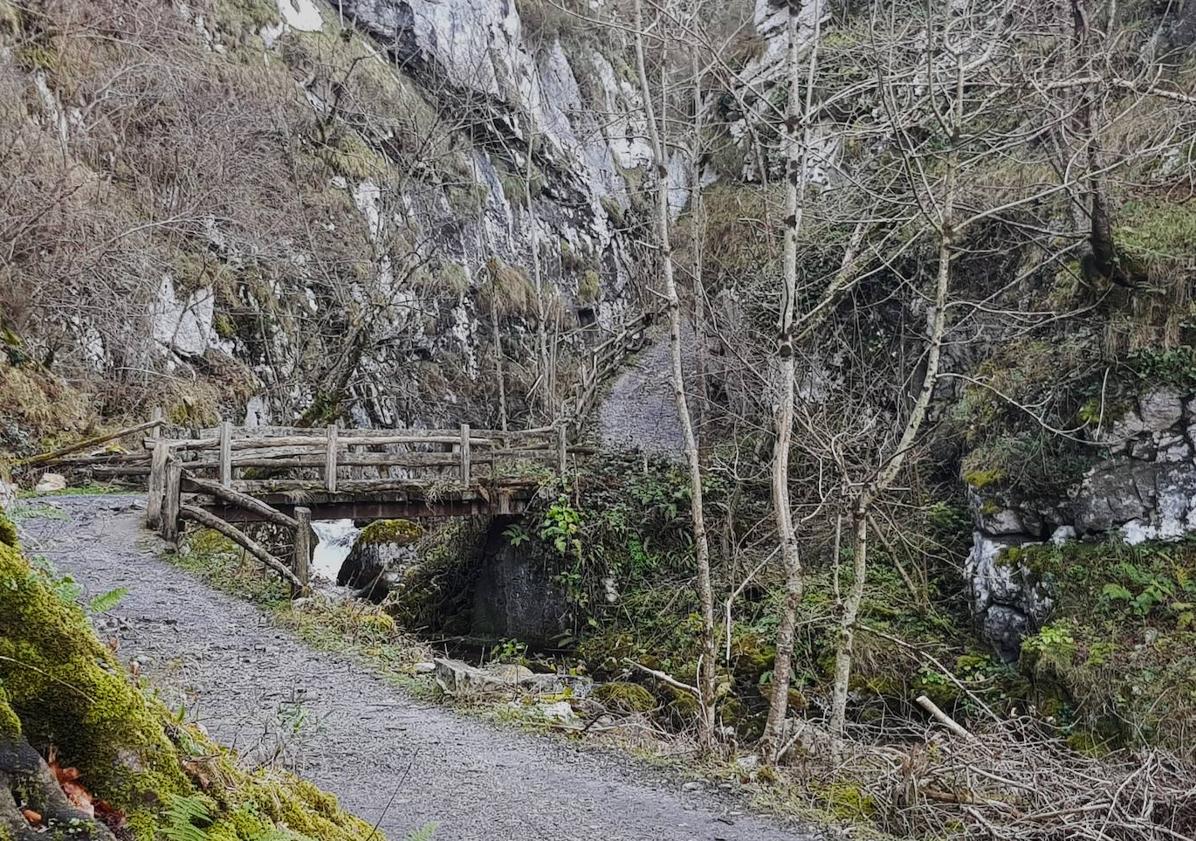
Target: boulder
x,y
457,677
380,559
516,595
51,482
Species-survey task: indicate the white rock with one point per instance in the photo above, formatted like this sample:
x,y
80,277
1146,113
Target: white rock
x,y
51,482
301,14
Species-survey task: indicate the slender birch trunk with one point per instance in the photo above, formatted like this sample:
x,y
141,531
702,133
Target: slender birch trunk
x,y
544,380
784,376
708,659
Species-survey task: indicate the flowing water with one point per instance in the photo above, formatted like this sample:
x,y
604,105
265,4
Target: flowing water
x,y
335,540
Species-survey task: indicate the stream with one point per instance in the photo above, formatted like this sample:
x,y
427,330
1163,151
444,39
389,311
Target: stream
x,y
335,540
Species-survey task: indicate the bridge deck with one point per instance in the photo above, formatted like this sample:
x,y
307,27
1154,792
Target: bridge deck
x,y
410,503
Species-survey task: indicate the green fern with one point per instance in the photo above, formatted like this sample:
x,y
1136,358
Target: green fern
x,y
424,833
106,601
187,819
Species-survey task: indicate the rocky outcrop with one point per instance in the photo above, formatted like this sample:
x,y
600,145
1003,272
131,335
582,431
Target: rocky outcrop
x,y
458,678
1144,488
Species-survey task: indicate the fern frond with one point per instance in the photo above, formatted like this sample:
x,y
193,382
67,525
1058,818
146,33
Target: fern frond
x,y
187,819
424,833
105,602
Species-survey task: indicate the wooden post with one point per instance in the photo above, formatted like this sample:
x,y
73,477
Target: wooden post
x,y
466,465
157,484
330,460
562,447
301,564
172,501
156,416
226,454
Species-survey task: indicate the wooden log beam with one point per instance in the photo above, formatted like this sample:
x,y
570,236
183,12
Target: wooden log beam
x,y
236,497
157,485
226,454
172,494
53,455
330,459
465,455
198,515
301,562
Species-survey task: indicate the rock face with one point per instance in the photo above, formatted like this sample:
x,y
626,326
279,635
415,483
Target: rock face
x,y
380,558
515,596
1144,490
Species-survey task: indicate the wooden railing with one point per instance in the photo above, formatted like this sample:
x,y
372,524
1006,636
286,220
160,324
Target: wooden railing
x,y
604,361
431,455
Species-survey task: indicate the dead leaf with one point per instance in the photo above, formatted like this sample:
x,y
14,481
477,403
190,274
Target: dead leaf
x,y
34,818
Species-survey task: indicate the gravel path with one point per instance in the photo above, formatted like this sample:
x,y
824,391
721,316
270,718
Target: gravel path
x,y
244,679
640,412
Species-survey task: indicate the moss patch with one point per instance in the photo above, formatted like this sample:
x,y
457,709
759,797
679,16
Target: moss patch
x,y
390,532
61,686
625,697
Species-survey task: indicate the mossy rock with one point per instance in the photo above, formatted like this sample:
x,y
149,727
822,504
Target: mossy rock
x,y
392,532
625,697
8,533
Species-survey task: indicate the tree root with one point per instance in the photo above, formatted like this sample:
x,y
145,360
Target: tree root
x,y
31,799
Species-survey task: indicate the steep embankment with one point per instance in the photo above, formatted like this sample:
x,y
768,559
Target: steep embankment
x,y
389,757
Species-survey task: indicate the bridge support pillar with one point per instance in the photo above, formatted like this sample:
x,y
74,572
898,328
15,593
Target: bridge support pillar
x,y
301,564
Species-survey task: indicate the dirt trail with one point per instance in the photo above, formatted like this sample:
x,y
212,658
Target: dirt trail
x,y
361,736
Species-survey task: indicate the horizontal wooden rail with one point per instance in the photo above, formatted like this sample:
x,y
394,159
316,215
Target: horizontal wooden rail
x,y
342,441
421,487
54,455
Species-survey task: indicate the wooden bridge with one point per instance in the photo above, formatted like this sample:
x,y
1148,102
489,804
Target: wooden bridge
x,y
227,476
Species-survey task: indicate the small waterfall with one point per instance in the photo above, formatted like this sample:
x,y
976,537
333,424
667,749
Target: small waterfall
x,y
336,539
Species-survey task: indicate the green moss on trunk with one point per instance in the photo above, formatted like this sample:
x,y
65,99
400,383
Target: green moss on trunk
x,y
60,686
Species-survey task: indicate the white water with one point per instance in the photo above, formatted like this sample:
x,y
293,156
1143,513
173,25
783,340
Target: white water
x,y
336,539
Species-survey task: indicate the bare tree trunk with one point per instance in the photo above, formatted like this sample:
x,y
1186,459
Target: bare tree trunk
x,y
946,246
498,367
708,660
544,380
784,376
697,204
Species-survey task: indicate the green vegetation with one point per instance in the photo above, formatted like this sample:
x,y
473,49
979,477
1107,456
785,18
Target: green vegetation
x,y
1117,663
60,686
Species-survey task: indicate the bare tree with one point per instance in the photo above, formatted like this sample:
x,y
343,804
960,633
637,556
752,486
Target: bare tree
x,y
708,661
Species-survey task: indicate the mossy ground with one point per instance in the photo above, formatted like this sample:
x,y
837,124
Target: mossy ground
x,y
1116,665
63,687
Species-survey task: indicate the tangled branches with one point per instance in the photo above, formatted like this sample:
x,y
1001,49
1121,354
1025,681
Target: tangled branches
x,y
1014,782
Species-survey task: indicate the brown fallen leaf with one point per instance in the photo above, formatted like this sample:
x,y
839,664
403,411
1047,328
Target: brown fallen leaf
x,y
34,818
78,796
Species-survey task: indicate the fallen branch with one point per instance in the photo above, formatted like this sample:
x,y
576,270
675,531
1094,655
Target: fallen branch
x,y
43,458
190,512
942,718
668,679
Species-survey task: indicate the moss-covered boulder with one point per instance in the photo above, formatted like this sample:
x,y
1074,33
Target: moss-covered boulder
x,y
380,557
625,697
62,690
